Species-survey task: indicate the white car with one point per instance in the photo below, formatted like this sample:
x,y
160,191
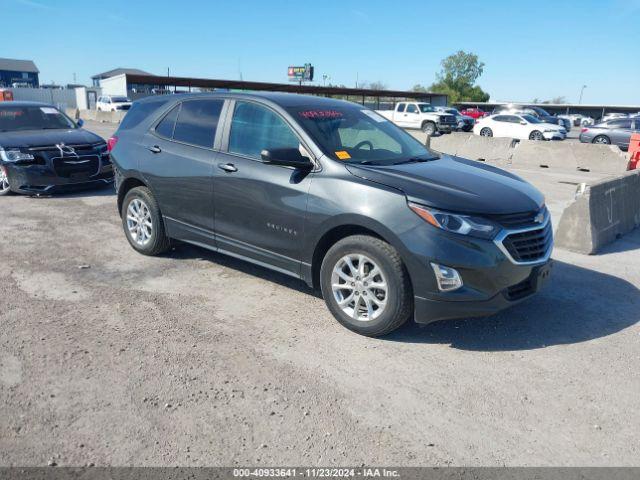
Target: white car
x,y
523,127
111,103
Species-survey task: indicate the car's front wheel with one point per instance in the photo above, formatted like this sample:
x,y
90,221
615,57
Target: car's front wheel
x,y
429,128
5,189
366,286
536,135
486,132
142,222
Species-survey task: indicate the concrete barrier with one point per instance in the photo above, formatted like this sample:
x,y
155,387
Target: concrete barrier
x,y
600,213
600,158
552,155
487,149
73,113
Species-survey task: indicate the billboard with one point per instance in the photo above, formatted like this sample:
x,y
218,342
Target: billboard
x,y
301,74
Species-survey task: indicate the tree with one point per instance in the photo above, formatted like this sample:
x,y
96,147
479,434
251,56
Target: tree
x,y
377,85
458,76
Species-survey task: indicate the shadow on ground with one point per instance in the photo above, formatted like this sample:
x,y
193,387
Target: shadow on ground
x,y
577,305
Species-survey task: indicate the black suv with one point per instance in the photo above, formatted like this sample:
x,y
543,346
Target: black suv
x,y
331,192
43,151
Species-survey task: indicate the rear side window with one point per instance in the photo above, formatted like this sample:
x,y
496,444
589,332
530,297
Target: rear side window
x,y
621,123
167,124
197,122
137,113
255,128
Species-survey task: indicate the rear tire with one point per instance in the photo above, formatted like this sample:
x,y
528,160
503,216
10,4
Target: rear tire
x,y
486,132
536,135
602,140
366,286
142,222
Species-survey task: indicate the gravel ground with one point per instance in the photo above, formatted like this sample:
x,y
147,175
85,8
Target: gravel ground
x,y
110,358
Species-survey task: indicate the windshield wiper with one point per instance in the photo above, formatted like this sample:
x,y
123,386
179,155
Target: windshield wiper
x,y
415,160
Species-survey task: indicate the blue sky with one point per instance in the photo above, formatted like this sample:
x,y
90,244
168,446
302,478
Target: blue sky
x,y
539,49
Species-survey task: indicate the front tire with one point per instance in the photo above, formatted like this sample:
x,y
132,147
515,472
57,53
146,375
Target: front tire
x,y
602,140
486,132
142,222
5,188
429,128
366,286
536,135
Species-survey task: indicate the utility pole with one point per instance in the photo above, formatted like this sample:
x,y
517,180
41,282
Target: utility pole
x,y
581,92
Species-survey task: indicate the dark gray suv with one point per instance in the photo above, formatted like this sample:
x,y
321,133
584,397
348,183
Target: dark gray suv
x,y
334,194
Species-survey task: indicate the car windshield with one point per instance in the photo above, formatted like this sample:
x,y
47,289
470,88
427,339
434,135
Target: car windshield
x,y
531,119
357,135
33,118
120,99
426,108
452,111
541,111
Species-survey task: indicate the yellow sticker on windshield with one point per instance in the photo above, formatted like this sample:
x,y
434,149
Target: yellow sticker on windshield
x,y
342,155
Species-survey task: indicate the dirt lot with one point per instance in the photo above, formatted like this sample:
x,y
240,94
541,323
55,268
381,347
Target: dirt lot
x,y
108,357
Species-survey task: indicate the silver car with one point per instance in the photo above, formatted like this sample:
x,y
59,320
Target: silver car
x,y
616,131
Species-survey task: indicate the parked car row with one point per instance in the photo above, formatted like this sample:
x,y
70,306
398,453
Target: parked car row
x,y
319,189
615,131
520,126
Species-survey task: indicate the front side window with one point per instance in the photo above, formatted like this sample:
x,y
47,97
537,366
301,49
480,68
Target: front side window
x,y
411,108
620,123
197,122
354,135
33,118
255,128
501,118
531,119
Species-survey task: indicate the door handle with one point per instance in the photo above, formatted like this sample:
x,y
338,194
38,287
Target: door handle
x,y
155,149
227,167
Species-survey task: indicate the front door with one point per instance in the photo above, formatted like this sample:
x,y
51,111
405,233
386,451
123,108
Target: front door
x,y
178,166
412,116
260,208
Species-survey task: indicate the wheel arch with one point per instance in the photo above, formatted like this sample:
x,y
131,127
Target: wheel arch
x,y
126,185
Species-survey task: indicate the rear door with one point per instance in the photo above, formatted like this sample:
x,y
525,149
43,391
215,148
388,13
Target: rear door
x,y
179,167
620,132
259,208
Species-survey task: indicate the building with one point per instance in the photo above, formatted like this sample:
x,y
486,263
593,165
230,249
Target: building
x,y
96,79
23,73
136,86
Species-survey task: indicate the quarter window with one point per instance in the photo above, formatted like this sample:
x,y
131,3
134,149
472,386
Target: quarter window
x,y
255,128
197,122
167,124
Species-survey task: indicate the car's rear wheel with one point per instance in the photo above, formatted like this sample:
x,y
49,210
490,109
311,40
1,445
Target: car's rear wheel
x,y
486,132
366,286
142,222
429,128
5,189
602,140
536,135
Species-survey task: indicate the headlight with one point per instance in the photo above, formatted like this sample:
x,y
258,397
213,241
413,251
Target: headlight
x,y
14,156
456,223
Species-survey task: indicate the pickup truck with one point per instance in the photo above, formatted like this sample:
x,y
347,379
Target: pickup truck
x,y
420,115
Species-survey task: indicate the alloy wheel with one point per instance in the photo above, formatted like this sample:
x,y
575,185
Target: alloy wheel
x,y
486,132
359,287
4,180
602,140
536,136
139,222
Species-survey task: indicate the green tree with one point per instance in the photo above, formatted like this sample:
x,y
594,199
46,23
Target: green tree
x,y
458,76
377,85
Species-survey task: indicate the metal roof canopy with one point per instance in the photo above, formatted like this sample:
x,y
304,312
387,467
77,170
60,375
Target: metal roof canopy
x,y
275,87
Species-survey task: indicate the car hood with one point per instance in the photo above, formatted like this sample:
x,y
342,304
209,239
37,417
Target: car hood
x,y
551,126
457,185
41,138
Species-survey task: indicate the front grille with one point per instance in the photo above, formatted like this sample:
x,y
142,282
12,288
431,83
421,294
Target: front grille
x,y
448,119
79,168
531,245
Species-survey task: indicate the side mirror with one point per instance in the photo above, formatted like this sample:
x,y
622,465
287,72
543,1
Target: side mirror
x,y
80,122
288,157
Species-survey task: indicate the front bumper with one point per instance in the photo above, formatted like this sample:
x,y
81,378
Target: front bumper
x,y
554,135
42,179
428,310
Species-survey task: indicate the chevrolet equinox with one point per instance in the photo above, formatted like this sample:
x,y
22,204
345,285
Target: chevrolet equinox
x,y
334,194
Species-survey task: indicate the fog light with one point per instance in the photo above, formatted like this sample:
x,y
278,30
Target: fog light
x,y
448,278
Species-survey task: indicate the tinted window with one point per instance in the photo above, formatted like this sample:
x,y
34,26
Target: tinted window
x,y
137,113
501,118
620,123
411,108
32,118
255,128
197,122
400,107
168,123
